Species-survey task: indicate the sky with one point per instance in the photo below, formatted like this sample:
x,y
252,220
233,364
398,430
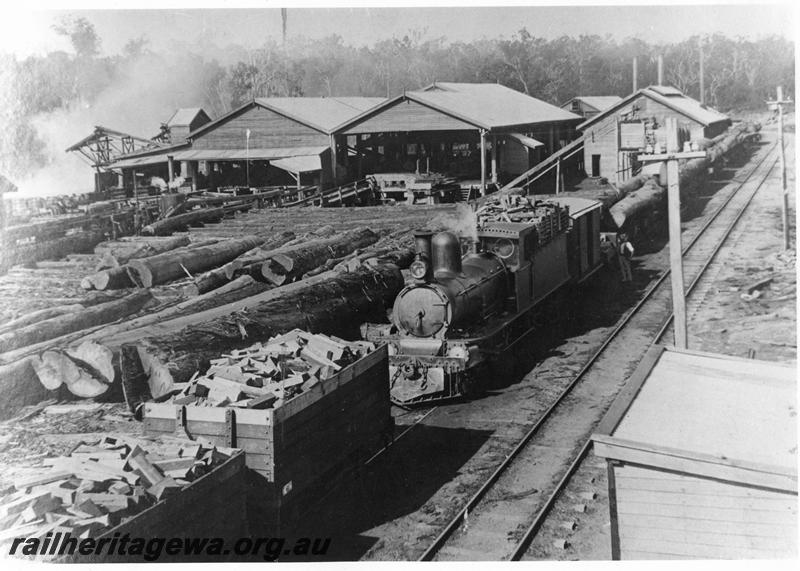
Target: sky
x,y
28,30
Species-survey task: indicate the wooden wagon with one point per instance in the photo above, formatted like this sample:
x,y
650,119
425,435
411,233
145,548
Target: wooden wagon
x,y
301,449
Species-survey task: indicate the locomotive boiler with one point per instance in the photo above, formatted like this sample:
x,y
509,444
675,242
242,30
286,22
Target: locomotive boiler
x,y
461,312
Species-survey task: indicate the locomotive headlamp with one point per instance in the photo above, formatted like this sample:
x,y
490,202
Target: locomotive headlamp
x,y
418,269
503,248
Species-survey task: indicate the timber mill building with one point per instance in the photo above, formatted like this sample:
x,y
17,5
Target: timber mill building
x,y
483,133
614,137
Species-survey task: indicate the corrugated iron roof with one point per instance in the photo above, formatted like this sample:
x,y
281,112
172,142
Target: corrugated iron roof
x,y
221,155
529,142
675,100
296,165
691,107
490,105
322,113
734,410
185,116
599,102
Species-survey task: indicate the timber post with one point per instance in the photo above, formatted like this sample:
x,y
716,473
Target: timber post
x,y
779,102
671,158
483,162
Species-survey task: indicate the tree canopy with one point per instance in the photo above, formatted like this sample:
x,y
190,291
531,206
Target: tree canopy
x,y
739,73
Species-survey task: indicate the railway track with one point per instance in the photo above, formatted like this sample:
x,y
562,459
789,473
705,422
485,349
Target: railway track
x,y
497,523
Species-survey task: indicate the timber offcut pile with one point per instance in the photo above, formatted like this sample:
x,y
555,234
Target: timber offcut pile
x,y
266,375
102,484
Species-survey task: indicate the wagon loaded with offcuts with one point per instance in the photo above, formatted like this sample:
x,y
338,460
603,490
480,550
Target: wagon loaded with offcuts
x,y
462,313
306,409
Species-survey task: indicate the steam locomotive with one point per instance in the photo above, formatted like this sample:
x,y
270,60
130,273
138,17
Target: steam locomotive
x,y
461,313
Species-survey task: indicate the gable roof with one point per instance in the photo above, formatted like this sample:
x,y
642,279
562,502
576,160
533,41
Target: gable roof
x,y
484,105
185,116
320,113
599,102
670,97
490,104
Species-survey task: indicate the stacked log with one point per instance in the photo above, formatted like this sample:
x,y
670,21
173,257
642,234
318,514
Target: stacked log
x,y
115,254
334,303
181,221
75,321
692,175
124,276
219,276
289,264
173,265
40,315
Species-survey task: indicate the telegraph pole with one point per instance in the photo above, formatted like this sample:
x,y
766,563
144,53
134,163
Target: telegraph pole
x,y
779,102
671,158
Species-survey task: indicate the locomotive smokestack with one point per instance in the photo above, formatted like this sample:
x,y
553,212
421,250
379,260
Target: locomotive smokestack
x,y
422,242
446,255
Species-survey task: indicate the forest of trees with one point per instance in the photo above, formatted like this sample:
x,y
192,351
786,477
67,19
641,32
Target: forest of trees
x,y
739,73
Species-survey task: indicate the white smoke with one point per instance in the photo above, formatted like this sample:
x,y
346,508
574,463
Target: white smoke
x,y
146,91
463,222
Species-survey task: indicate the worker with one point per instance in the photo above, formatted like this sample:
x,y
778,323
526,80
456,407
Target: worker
x,y
625,254
608,251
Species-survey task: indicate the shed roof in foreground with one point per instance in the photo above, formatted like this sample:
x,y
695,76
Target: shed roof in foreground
x,y
709,415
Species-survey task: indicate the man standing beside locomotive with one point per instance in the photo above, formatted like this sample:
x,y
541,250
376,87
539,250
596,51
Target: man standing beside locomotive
x,y
625,255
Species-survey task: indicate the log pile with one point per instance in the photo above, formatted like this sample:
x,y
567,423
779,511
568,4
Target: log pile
x,y
290,263
167,226
116,253
73,321
334,303
341,275
266,375
100,485
693,173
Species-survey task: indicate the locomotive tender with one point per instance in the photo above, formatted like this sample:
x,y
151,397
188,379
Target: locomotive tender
x,y
461,313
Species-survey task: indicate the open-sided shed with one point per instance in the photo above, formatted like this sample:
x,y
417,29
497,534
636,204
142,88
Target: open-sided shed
x,y
702,458
270,140
462,129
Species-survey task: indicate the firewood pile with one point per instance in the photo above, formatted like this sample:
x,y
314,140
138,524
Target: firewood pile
x,y
267,375
548,217
102,484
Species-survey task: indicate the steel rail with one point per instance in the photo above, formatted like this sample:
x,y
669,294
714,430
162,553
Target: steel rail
x,y
451,527
533,529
